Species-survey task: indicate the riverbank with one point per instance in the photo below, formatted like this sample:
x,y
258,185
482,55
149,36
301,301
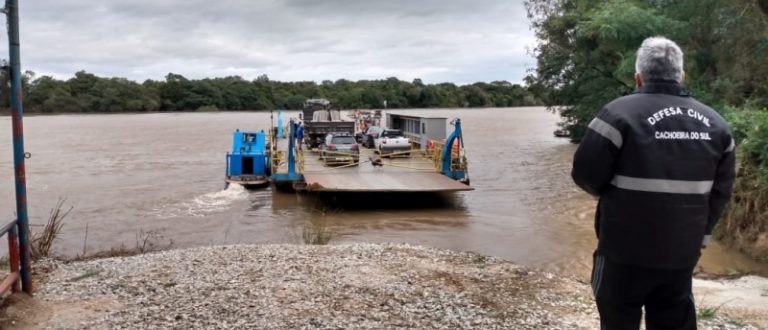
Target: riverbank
x,y
745,222
361,286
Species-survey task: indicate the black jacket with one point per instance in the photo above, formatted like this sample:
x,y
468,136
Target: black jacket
x,y
662,165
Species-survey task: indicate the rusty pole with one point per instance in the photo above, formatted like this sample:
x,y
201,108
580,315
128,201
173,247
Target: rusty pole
x,y
13,254
17,112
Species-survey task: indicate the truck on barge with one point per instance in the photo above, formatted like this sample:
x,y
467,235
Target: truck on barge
x,y
320,119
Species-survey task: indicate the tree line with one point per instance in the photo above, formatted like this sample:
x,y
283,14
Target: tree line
x,y
586,56
586,51
86,92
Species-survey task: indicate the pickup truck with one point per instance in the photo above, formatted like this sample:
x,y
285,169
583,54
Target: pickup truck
x,y
391,141
319,120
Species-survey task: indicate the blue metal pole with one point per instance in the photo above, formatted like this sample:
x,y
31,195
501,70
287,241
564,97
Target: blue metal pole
x,y
12,12
291,139
448,148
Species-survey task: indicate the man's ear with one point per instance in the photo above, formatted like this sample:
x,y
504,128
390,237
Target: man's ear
x,y
638,80
682,77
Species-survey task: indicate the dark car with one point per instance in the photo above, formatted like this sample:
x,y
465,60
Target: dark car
x,y
371,135
339,149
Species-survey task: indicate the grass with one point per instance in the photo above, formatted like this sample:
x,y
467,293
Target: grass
x,y
316,235
737,323
707,313
41,242
146,242
318,231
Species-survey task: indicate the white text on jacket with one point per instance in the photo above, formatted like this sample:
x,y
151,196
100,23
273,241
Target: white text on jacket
x,y
677,111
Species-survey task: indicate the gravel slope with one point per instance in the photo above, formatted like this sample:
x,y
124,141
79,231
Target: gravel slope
x,y
360,286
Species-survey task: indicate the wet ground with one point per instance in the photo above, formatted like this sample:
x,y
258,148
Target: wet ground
x,y
129,176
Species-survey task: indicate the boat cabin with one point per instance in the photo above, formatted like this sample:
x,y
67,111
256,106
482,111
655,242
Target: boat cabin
x,y
248,159
419,129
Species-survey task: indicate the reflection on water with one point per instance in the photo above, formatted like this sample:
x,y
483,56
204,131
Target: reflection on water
x,y
127,173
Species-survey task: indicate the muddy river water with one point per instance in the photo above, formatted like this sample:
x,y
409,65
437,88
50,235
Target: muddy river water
x,y
129,175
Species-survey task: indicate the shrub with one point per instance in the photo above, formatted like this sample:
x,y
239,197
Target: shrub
x,y
745,223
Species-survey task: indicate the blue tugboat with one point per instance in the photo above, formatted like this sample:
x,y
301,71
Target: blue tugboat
x,y
248,163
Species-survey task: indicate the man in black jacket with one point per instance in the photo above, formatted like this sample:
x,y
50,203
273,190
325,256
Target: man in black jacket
x,y
662,165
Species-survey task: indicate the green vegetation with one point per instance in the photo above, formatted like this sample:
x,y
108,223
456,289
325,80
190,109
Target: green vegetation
x,y
316,235
737,323
586,55
147,241
745,224
706,313
41,242
586,51
86,92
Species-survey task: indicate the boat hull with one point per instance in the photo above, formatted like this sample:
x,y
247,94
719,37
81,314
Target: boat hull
x,y
249,181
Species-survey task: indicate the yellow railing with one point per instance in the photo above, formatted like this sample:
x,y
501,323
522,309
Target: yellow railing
x,y
435,153
278,157
299,161
406,153
339,157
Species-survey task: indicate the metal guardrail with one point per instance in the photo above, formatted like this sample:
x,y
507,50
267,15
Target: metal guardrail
x,y
11,281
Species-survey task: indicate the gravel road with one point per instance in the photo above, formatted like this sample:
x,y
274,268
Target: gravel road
x,y
362,286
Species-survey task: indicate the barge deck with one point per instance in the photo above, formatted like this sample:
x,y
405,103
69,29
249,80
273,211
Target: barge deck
x,y
421,169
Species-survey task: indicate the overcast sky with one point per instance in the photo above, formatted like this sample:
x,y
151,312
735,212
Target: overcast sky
x,y
460,41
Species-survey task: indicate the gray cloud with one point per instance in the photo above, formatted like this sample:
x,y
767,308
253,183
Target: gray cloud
x,y
458,41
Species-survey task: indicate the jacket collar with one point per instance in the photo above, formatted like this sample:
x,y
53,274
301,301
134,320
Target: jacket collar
x,y
663,87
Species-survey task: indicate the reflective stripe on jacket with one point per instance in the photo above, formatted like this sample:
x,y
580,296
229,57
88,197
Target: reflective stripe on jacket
x,y
662,165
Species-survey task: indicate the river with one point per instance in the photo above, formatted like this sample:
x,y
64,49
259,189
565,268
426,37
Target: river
x,y
130,176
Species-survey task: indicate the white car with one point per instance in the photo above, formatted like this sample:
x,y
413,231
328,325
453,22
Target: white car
x,y
391,141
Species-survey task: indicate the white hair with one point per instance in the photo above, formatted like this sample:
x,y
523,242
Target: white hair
x,y
659,58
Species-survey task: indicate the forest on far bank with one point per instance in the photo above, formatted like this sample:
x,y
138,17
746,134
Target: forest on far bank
x,y
86,93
